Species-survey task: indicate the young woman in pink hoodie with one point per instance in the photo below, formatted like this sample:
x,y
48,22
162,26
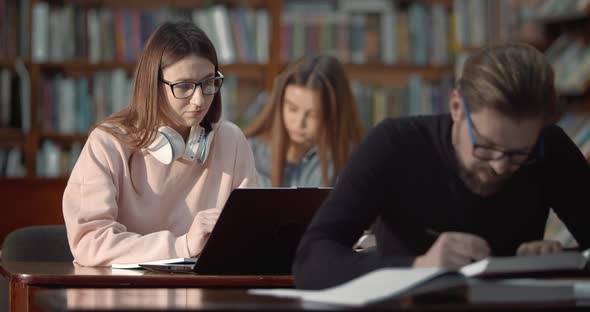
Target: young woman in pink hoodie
x,y
152,178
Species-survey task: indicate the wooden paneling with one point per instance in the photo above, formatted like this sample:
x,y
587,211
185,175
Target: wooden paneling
x,y
30,202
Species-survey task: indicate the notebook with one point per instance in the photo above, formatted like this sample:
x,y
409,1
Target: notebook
x,y
257,233
558,264
371,287
422,283
426,285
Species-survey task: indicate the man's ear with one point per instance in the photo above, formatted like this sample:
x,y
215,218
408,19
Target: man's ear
x,y
455,106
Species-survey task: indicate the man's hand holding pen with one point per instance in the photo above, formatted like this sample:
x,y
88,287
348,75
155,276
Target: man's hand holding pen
x,y
541,247
453,250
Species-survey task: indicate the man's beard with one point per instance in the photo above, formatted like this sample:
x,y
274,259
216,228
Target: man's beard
x,y
469,176
474,184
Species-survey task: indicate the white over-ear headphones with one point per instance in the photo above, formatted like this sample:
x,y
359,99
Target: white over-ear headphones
x,y
168,145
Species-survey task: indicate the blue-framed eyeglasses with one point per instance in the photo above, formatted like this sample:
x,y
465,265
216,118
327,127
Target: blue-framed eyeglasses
x,y
487,153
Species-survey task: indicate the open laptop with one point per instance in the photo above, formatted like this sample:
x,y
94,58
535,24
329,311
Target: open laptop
x,y
257,232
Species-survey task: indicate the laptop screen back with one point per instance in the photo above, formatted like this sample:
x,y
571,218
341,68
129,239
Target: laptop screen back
x,y
259,229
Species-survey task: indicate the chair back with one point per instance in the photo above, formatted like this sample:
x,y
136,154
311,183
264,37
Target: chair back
x,y
37,243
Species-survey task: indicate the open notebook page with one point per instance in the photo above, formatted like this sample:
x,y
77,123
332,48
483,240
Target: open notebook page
x,y
371,287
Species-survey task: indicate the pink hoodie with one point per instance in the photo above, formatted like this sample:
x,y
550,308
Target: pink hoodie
x,y
109,222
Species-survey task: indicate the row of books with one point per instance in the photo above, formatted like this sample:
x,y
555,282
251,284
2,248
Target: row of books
x,y
577,127
14,25
242,99
241,105
242,34
480,22
15,97
470,23
69,32
570,57
548,9
56,160
421,33
12,163
417,34
9,100
71,105
417,97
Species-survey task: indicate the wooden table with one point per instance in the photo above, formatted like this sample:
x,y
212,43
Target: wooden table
x,y
26,277
166,299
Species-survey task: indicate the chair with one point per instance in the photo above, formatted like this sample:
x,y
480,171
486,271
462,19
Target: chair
x,y
37,243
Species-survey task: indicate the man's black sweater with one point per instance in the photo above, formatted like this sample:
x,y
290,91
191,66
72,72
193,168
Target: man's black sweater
x,y
405,173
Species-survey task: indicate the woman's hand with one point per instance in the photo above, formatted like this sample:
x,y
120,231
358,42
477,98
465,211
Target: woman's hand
x,y
200,229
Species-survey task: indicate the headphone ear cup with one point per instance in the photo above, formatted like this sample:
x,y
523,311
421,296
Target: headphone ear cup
x,y
167,146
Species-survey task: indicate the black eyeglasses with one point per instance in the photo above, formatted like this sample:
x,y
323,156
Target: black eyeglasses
x,y
185,89
487,153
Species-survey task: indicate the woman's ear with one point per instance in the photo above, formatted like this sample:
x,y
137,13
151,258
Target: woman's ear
x,y
455,106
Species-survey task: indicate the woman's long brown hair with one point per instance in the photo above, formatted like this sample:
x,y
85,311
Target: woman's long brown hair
x,y
340,128
148,107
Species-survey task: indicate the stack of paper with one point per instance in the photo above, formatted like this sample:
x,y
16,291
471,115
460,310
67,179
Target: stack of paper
x,y
165,261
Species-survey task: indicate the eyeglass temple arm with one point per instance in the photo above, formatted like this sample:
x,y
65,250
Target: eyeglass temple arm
x,y
470,128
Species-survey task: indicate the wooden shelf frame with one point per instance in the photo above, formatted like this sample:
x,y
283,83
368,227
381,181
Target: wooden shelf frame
x,y
240,69
63,137
12,137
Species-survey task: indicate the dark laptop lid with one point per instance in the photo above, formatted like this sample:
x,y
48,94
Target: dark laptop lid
x,y
259,229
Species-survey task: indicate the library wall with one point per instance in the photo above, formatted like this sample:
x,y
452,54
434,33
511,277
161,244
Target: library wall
x,y
66,64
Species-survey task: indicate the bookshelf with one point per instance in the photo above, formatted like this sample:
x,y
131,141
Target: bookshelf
x,y
565,26
76,67
559,28
378,81
29,141
379,74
